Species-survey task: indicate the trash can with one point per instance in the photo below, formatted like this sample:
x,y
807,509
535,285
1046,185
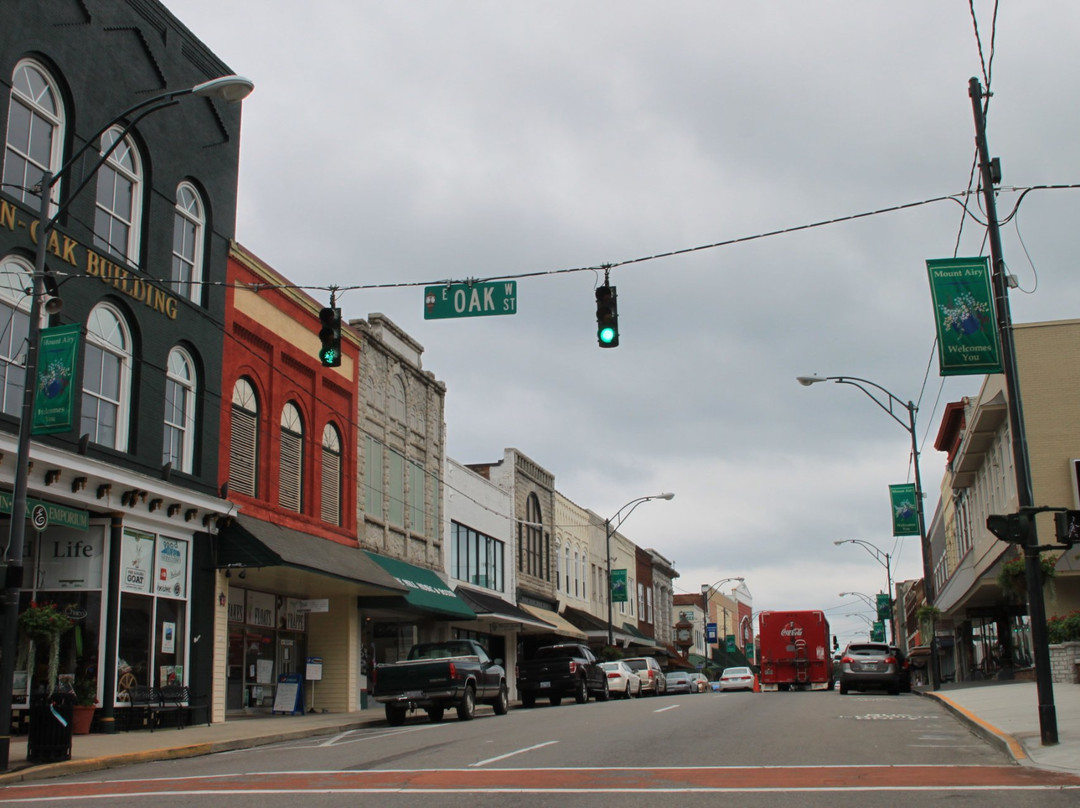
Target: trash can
x,y
49,739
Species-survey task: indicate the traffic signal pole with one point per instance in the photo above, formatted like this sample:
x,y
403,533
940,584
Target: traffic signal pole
x,y
1024,491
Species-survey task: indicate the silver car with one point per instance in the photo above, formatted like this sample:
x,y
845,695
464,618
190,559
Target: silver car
x,y
870,665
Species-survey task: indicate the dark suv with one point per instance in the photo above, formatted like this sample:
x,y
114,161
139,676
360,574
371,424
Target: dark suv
x,y
867,665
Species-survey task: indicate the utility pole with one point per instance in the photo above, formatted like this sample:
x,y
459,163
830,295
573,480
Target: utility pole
x,y
1024,492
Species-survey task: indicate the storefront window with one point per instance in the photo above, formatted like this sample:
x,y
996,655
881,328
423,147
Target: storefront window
x,y
152,639
266,640
64,569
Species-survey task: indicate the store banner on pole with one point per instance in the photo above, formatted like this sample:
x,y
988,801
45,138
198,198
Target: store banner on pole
x,y
964,313
618,586
54,399
905,512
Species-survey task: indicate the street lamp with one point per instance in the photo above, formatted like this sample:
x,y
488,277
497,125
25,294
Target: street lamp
x,y
618,518
890,405
225,88
883,558
706,593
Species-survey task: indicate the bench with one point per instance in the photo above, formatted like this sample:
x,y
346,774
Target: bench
x,y
178,703
143,704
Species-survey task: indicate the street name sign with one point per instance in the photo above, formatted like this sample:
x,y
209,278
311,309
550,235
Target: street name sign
x,y
470,300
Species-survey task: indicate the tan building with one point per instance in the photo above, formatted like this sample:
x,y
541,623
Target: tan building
x,y
986,628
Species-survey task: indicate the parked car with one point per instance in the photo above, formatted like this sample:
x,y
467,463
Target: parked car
x,y
621,678
870,665
555,671
438,676
652,676
700,682
736,679
680,682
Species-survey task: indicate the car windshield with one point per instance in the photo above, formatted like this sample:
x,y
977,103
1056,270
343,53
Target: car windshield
x,y
678,677
737,672
556,651
636,664
610,666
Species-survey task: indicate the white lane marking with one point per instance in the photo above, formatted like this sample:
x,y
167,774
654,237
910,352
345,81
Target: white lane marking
x,y
511,754
665,709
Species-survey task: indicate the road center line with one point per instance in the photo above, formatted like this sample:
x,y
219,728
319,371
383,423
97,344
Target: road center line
x,y
665,709
511,754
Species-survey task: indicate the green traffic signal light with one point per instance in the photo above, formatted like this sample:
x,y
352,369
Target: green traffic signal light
x,y
330,336
607,316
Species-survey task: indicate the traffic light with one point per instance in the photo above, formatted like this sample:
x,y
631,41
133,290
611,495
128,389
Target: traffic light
x,y
330,336
607,316
1068,526
1014,528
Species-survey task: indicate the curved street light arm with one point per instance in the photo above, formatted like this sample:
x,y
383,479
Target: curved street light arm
x,y
892,399
865,598
618,518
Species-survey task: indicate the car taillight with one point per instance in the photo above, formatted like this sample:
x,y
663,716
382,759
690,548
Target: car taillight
x,y
573,667
890,660
652,674
453,671
613,675
846,660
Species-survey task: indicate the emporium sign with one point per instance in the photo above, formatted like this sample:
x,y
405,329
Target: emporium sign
x,y
77,255
57,514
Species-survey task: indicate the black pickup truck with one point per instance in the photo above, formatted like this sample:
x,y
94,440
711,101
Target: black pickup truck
x,y
561,670
438,675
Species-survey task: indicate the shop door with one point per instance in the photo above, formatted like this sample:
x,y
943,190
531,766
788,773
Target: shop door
x,y
234,687
259,669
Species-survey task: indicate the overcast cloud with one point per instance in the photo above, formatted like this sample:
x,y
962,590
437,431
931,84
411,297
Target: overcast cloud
x,y
413,142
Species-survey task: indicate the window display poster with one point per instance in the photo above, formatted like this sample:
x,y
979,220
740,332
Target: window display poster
x,y
70,559
136,558
264,671
293,618
168,638
171,675
236,605
171,568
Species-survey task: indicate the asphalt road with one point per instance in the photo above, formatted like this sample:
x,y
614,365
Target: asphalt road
x,y
769,749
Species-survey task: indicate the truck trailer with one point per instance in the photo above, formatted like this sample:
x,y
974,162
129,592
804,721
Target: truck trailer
x,y
794,651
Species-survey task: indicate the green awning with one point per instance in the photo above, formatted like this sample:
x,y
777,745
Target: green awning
x,y
425,590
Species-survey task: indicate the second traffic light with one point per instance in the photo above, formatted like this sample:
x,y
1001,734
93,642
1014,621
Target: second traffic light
x,y
607,316
330,337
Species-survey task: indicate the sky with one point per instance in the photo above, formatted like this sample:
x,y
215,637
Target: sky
x,y
698,149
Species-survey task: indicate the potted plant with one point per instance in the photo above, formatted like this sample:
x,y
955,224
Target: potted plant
x,y
85,705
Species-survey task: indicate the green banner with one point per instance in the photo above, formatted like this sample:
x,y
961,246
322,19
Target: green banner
x,y
878,632
618,586
964,314
729,643
884,606
54,399
905,511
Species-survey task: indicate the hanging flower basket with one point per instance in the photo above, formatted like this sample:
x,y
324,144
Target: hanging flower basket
x,y
1012,577
44,623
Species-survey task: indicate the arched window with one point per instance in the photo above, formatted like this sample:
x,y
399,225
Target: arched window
x,y
244,438
189,224
535,561
119,198
35,131
179,438
330,487
16,276
106,378
397,399
290,472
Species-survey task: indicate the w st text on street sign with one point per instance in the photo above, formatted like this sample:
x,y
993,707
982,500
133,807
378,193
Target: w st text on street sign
x,y
470,300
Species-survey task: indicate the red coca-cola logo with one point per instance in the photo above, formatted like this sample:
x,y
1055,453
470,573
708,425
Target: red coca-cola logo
x,y
791,631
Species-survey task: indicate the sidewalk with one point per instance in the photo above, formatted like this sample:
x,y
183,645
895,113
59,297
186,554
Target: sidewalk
x,y
1006,714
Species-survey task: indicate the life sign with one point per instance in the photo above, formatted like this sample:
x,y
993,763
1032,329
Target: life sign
x,y
470,300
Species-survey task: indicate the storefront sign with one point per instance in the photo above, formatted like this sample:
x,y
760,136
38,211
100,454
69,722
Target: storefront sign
x,y
293,614
136,561
70,559
58,515
261,610
236,605
171,568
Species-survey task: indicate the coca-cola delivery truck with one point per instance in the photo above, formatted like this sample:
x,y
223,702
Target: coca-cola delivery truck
x,y
794,651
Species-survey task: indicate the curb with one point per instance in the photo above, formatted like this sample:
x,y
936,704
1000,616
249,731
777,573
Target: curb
x,y
30,771
997,737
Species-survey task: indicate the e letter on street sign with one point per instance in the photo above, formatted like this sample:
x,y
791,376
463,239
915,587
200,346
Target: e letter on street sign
x,y
470,300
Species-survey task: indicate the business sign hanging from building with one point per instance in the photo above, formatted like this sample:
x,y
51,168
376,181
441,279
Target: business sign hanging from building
x,y
54,400
618,586
905,512
964,314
